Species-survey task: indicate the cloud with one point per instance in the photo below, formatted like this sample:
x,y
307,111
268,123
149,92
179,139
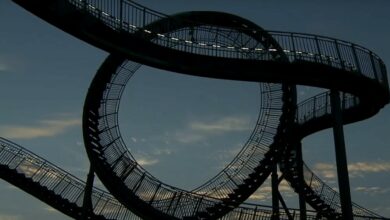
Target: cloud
x,y
326,170
198,131
264,193
372,190
358,169
9,217
147,161
163,151
223,125
369,167
144,159
44,128
187,137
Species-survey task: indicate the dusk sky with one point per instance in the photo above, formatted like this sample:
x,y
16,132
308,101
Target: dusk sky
x,y
183,129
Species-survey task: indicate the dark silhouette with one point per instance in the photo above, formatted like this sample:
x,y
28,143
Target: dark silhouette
x,y
217,45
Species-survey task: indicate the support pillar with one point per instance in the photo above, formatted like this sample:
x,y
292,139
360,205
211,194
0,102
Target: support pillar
x,y
341,156
87,200
302,202
275,192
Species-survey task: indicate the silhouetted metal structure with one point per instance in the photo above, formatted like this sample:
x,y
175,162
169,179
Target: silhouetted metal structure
x,y
208,44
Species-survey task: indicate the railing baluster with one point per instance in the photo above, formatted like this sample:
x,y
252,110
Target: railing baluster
x,y
38,170
144,17
318,48
120,15
14,156
293,46
357,63
311,179
59,182
373,67
339,55
20,162
176,205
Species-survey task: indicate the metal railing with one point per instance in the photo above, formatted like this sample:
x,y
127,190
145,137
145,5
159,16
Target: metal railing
x,y
319,106
332,197
70,188
128,16
58,181
316,107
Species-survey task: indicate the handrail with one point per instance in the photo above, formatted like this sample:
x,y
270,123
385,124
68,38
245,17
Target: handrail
x,y
331,196
103,203
319,105
57,180
314,108
326,50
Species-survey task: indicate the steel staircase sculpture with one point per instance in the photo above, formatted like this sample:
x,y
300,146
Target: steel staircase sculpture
x,y
210,44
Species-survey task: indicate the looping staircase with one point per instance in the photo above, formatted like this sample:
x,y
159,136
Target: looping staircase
x,y
209,44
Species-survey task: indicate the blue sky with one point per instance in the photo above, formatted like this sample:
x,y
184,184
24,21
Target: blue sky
x,y
182,128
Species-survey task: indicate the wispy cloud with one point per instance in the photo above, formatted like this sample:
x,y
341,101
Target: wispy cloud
x,y
9,217
43,128
147,161
223,125
372,190
264,193
195,132
325,170
369,167
163,151
188,137
198,131
358,169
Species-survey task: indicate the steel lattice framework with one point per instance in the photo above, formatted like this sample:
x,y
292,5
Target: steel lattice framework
x,y
208,44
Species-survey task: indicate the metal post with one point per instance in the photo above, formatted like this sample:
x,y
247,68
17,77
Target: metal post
x,y
318,48
339,55
341,156
373,67
87,201
383,73
121,14
293,46
289,216
355,57
275,192
302,202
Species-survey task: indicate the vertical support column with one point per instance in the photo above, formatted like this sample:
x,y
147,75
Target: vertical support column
x,y
341,156
302,202
87,201
275,191
121,14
